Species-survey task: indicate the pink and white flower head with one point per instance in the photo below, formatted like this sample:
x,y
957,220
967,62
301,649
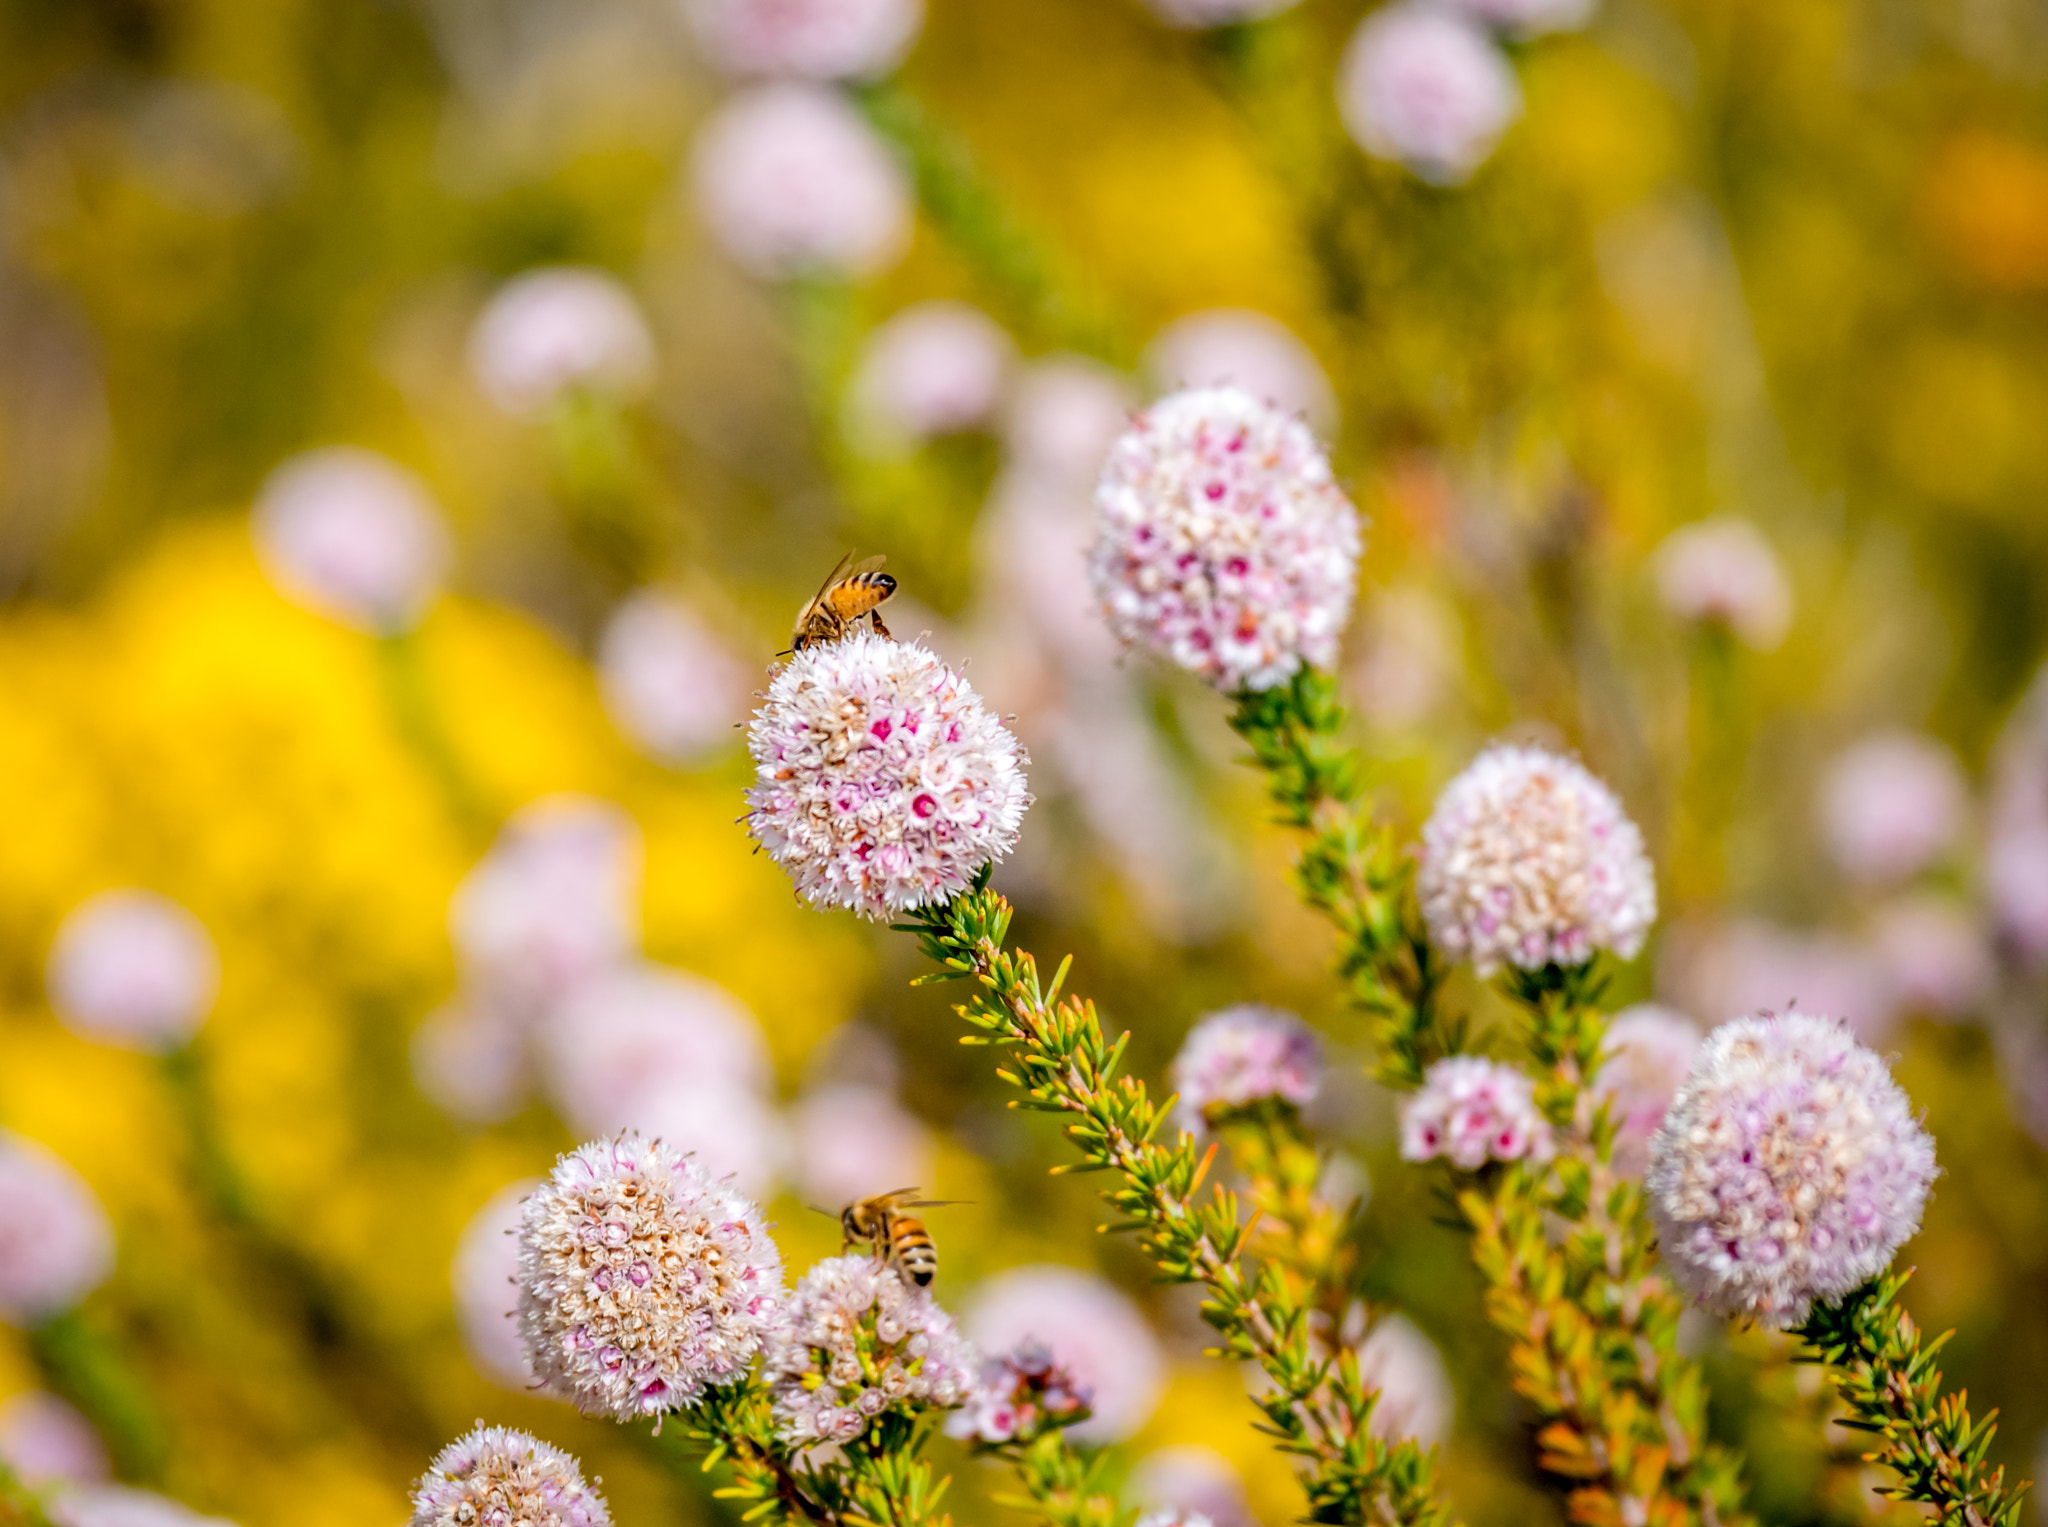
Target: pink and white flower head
x,y
1090,1328
1891,805
2016,879
851,1142
1528,18
56,1245
1197,15
1529,860
119,1506
1935,953
1222,542
935,368
1065,414
352,535
45,1442
552,904
495,1474
1470,1110
793,182
1017,1396
559,329
1649,1051
668,682
1188,1478
862,1341
1237,347
1428,88
470,1061
881,782
133,968
1407,1372
809,39
642,1282
1790,1168
1243,1056
485,1275
1721,571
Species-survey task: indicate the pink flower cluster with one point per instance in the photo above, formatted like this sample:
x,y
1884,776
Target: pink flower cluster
x,y
556,329
1092,1329
932,369
1020,1394
1470,1110
1791,1168
810,39
1222,542
1891,805
882,782
1649,1050
1426,86
1241,1056
1529,860
642,1281
353,535
669,683
860,1339
498,1475
133,968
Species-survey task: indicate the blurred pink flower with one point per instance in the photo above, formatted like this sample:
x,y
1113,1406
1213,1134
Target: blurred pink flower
x,y
352,535
45,1442
1935,954
1064,415
1238,347
471,1062
1404,1366
1749,966
1197,14
1891,805
485,1275
1528,18
557,328
812,39
1428,88
732,1134
552,904
934,368
1089,1326
133,968
1241,1056
639,1026
669,683
1649,1049
119,1506
2016,879
852,1142
1409,655
1035,536
1186,1478
792,181
56,1245
1722,571
1470,1110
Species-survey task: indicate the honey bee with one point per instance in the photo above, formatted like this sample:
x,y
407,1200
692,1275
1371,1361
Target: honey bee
x,y
847,596
895,1237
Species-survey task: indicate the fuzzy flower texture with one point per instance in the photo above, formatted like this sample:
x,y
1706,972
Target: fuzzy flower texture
x,y
882,782
497,1477
1529,860
1791,1168
859,1340
1222,542
1471,1110
1243,1056
642,1282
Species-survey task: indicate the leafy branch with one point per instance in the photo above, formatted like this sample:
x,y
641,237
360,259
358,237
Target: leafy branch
x,y
734,1424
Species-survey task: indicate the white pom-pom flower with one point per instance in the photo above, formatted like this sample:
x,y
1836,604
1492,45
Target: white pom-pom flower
x,y
810,39
1891,805
671,685
1529,860
642,1281
56,1245
1403,1367
559,328
133,968
1242,1056
1470,1110
1427,88
1790,1169
498,1475
1222,543
352,535
881,781
932,369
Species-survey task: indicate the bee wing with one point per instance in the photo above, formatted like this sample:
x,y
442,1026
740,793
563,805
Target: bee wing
x,y
931,1203
865,565
838,570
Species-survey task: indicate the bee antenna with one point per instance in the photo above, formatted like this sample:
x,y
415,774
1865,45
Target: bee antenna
x,y
816,1210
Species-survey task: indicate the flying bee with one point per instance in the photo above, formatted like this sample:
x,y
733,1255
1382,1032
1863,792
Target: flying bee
x,y
847,596
895,1237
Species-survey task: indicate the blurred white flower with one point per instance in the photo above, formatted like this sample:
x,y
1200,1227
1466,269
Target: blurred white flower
x,y
133,968
1528,18
1065,413
1238,347
1035,535
1750,966
119,1506
1721,571
812,39
1648,1052
56,1245
1891,805
1190,1479
47,1442
352,535
669,683
1090,1327
1403,1365
1935,953
732,1134
1194,15
485,1276
934,368
557,328
849,1143
792,181
1428,88
469,1060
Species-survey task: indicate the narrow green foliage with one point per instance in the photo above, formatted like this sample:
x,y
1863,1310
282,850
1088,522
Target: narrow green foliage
x,y
734,1426
1061,1486
1885,1373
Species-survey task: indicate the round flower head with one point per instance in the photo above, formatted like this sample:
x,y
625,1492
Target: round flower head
x,y
1241,1056
1064,415
1222,544
1935,954
1529,860
1403,1367
1428,88
813,39
668,682
1649,1050
933,369
485,1275
1471,1110
793,182
1891,804
1722,571
641,1281
1089,1327
557,328
353,535
496,1475
881,782
46,1442
1528,18
119,1506
861,1340
1237,347
55,1243
1019,1395
133,968
1789,1169
1196,15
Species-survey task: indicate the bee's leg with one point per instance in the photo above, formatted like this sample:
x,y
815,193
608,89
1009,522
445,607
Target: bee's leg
x,y
880,629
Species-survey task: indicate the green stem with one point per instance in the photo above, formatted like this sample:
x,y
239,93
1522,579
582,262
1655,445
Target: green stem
x,y
411,705
80,1362
1061,1487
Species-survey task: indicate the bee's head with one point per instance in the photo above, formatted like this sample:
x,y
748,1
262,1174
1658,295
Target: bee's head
x,y
853,1222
